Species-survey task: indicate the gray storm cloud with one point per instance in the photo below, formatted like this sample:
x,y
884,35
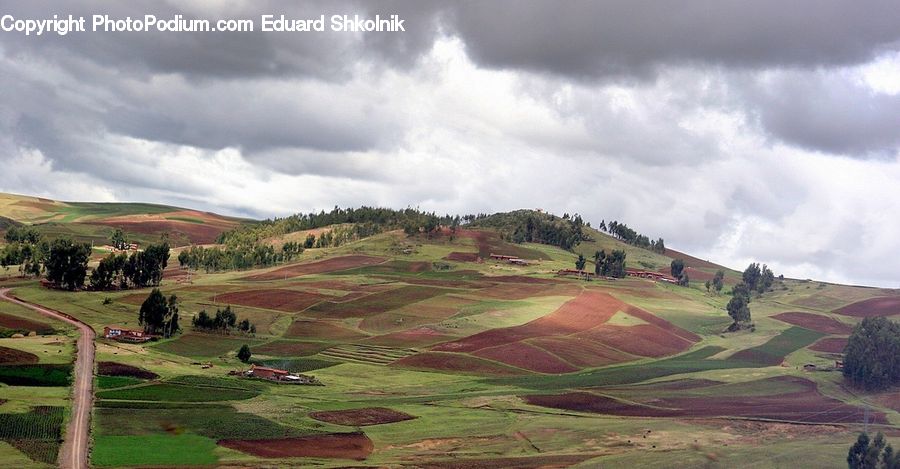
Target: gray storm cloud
x,y
736,130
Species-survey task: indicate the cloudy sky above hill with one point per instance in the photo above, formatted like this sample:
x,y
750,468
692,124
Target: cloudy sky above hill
x,y
738,131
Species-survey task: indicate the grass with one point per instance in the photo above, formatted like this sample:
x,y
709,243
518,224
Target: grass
x,y
296,365
177,393
183,449
777,348
112,382
35,433
204,345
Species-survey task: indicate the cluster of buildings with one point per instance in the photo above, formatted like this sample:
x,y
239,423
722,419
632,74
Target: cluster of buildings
x,y
281,376
509,259
121,334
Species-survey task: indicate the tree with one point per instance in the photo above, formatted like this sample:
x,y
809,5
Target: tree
x,y
766,279
872,453
118,239
579,263
738,307
751,276
244,353
677,268
159,315
66,263
872,354
708,284
718,281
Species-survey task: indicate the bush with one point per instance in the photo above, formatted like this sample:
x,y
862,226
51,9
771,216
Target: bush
x,y
872,356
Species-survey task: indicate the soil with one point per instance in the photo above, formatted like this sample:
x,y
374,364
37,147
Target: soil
x,y
527,462
356,446
121,369
807,406
462,256
814,322
15,322
456,363
830,345
525,356
275,298
328,265
881,306
11,356
361,417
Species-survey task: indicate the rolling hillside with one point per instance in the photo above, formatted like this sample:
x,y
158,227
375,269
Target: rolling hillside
x,y
429,353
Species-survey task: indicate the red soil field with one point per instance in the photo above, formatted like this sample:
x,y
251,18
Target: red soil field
x,y
488,242
321,329
696,275
661,323
814,322
328,265
133,299
889,399
807,406
456,363
377,303
11,356
198,233
830,345
677,384
581,352
275,298
881,306
590,309
290,348
516,291
523,279
121,369
526,356
462,256
15,322
645,340
333,445
361,417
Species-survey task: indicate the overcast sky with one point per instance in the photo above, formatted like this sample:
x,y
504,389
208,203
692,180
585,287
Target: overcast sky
x,y
738,131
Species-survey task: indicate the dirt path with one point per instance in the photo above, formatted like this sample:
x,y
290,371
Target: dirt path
x,y
74,451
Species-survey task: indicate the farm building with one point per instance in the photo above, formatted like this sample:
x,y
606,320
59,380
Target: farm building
x,y
574,272
500,257
282,376
648,274
125,335
517,261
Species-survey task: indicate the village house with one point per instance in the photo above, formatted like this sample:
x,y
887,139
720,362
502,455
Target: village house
x,y
283,376
121,334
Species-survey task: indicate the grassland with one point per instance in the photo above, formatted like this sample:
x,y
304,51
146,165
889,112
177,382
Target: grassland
x,y
376,334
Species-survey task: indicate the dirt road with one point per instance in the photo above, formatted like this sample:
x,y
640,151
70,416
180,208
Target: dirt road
x,y
74,451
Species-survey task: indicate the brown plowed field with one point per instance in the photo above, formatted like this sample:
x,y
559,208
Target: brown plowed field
x,y
581,352
515,291
814,322
526,356
456,363
830,345
462,257
274,298
290,348
321,329
377,302
333,445
11,356
590,309
121,369
333,264
808,406
198,233
691,261
15,322
361,417
523,279
881,306
645,340
661,323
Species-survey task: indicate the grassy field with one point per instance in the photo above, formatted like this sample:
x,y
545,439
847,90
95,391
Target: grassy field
x,y
362,326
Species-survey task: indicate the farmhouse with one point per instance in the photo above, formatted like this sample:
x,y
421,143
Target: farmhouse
x,y
282,376
125,335
649,274
500,257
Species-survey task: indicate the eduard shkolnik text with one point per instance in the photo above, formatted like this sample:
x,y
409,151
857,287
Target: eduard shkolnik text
x,y
178,23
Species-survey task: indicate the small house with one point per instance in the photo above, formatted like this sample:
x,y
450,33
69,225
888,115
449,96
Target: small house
x,y
121,334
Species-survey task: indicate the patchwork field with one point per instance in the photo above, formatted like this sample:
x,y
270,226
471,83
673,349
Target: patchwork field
x,y
427,353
